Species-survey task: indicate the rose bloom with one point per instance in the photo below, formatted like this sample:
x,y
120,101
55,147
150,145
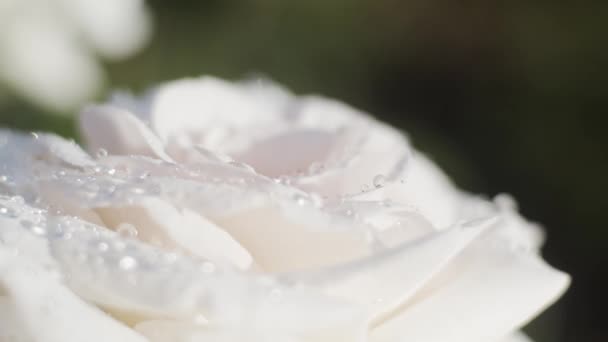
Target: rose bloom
x,y
216,211
49,48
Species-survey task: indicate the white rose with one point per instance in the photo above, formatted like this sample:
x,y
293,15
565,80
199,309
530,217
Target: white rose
x,y
237,212
48,48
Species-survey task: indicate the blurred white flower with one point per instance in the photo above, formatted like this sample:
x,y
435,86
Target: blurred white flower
x,y
49,48
228,212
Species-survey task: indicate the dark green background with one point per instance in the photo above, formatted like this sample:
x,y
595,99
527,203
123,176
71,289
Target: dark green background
x,y
506,95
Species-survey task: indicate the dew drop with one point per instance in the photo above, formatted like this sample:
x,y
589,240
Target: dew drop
x,y
200,319
34,135
315,168
102,152
138,190
283,180
243,166
103,246
300,199
144,175
8,212
111,172
505,202
379,181
3,178
127,230
18,199
127,263
34,228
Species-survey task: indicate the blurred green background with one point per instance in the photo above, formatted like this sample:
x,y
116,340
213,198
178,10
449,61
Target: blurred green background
x,y
507,96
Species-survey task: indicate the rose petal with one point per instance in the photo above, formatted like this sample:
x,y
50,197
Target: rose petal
x,y
427,188
386,280
137,282
25,38
279,243
516,337
22,155
159,222
485,293
41,312
256,123
119,132
287,153
162,331
10,327
128,32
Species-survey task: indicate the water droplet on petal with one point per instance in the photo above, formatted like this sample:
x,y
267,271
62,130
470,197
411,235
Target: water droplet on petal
x,y
34,228
379,181
301,199
315,168
127,263
103,246
283,180
200,319
242,166
34,135
144,175
505,202
127,230
102,152
8,212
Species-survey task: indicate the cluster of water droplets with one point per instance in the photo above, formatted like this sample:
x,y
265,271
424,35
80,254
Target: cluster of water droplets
x,y
101,264
120,272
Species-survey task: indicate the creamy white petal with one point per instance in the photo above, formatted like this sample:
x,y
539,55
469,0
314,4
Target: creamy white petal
x,y
10,328
136,282
279,244
129,29
42,307
487,292
247,206
516,337
49,312
158,222
162,331
427,188
317,138
208,108
385,281
119,132
21,152
36,52
49,47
